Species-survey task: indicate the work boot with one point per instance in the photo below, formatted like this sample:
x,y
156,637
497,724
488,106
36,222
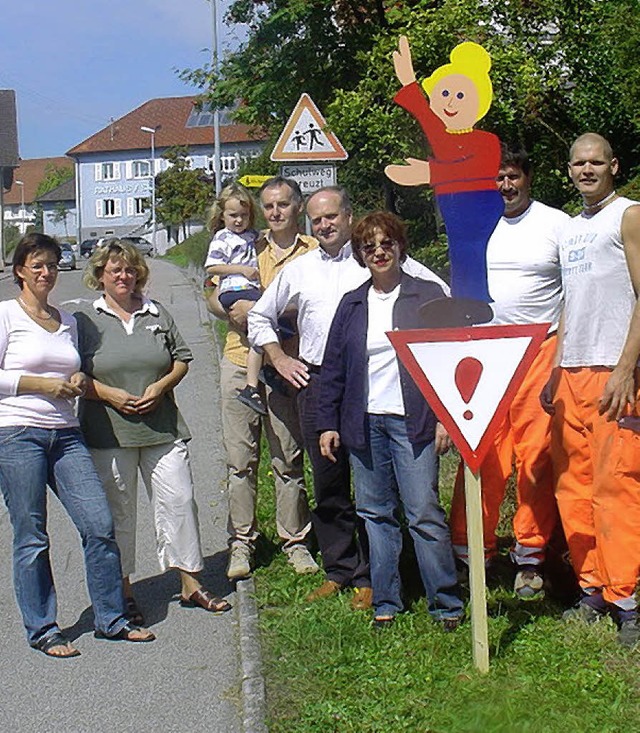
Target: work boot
x,y
301,560
589,610
629,633
239,562
528,584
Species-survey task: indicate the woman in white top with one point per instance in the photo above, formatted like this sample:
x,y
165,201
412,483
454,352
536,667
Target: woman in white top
x,y
369,403
40,444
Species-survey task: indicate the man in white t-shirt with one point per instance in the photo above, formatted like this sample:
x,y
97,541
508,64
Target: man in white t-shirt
x,y
524,281
594,394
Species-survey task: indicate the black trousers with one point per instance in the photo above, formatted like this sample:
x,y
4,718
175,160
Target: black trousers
x,y
341,535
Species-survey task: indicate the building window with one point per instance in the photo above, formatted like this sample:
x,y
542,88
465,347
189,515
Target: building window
x,y
106,208
107,171
228,163
137,206
141,168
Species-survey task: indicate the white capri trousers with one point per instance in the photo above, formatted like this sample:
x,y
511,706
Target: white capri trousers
x,y
166,473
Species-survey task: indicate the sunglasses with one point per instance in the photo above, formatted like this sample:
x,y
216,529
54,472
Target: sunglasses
x,y
386,245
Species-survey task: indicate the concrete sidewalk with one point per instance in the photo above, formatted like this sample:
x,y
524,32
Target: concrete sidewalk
x,y
193,676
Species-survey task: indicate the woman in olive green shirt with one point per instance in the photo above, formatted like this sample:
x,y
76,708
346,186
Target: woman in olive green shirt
x,y
134,356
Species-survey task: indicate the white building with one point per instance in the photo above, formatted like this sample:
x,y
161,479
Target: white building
x,y
114,167
20,200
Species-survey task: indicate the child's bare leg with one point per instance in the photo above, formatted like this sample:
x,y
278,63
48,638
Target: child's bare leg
x,y
254,364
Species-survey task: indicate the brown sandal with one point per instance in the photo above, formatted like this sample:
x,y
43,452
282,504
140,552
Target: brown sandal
x,y
204,599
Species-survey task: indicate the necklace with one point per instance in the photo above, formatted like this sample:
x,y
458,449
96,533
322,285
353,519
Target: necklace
x,y
591,207
48,317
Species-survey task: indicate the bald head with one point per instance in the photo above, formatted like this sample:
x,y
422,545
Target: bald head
x,y
593,168
592,138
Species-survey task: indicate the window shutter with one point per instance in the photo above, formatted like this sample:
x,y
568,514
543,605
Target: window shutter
x,y
118,207
116,171
130,209
128,169
98,169
99,208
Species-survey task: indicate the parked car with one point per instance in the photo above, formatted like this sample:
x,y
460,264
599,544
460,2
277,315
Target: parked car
x,y
143,245
87,247
68,259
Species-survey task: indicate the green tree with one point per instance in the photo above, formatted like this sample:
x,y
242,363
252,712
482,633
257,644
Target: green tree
x,y
54,175
182,193
560,68
61,213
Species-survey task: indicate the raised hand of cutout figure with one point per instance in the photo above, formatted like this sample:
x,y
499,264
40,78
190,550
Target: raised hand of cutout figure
x,y
465,161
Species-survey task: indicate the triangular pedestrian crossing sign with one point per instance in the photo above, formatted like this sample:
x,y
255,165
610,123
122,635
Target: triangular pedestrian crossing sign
x,y
305,136
469,376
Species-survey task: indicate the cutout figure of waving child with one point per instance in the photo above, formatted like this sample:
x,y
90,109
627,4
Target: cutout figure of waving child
x,y
465,161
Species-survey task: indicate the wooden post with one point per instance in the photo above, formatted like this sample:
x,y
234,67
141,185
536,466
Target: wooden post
x,y
475,539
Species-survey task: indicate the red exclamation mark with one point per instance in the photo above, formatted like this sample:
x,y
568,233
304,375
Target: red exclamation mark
x,y
467,377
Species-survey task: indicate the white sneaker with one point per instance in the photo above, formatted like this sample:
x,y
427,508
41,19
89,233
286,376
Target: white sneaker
x,y
301,560
239,562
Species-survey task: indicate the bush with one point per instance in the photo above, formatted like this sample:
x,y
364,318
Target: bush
x,y
192,251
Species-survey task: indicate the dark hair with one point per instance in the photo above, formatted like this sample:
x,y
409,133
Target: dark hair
x,y
276,181
30,243
514,154
389,224
345,201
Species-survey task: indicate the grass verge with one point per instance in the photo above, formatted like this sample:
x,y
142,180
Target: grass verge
x,y
327,671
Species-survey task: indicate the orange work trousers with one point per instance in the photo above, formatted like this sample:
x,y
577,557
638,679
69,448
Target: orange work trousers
x,y
523,437
597,468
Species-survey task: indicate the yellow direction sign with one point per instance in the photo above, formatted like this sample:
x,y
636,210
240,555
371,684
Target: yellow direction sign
x,y
253,181
305,136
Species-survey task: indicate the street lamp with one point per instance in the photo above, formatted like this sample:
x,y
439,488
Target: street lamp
x,y
152,132
215,66
22,226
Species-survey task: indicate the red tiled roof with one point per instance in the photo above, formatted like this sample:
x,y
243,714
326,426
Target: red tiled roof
x,y
169,116
31,172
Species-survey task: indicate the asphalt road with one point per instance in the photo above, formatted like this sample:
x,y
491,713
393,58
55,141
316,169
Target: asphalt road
x,y
187,680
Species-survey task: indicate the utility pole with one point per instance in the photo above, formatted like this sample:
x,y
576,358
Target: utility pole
x,y
215,67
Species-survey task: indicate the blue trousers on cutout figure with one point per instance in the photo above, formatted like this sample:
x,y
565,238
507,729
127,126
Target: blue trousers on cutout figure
x,y
470,218
390,472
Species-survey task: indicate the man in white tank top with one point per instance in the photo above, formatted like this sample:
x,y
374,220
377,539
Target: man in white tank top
x,y
594,393
523,265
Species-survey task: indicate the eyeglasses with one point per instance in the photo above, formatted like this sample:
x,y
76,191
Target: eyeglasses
x,y
368,249
42,266
117,271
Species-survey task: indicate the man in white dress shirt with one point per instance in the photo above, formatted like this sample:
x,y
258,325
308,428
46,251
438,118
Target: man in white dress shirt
x,y
314,285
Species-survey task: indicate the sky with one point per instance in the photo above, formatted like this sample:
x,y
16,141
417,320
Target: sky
x,y
74,64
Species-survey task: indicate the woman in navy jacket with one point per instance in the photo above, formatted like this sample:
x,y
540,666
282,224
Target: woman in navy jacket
x,y
369,403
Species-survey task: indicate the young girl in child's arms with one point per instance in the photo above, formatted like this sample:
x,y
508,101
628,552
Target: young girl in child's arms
x,y
232,257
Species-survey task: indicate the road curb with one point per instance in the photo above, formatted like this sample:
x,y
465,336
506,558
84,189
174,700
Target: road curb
x,y
253,689
253,686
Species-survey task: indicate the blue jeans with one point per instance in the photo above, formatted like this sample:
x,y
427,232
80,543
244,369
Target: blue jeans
x,y
392,470
31,458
